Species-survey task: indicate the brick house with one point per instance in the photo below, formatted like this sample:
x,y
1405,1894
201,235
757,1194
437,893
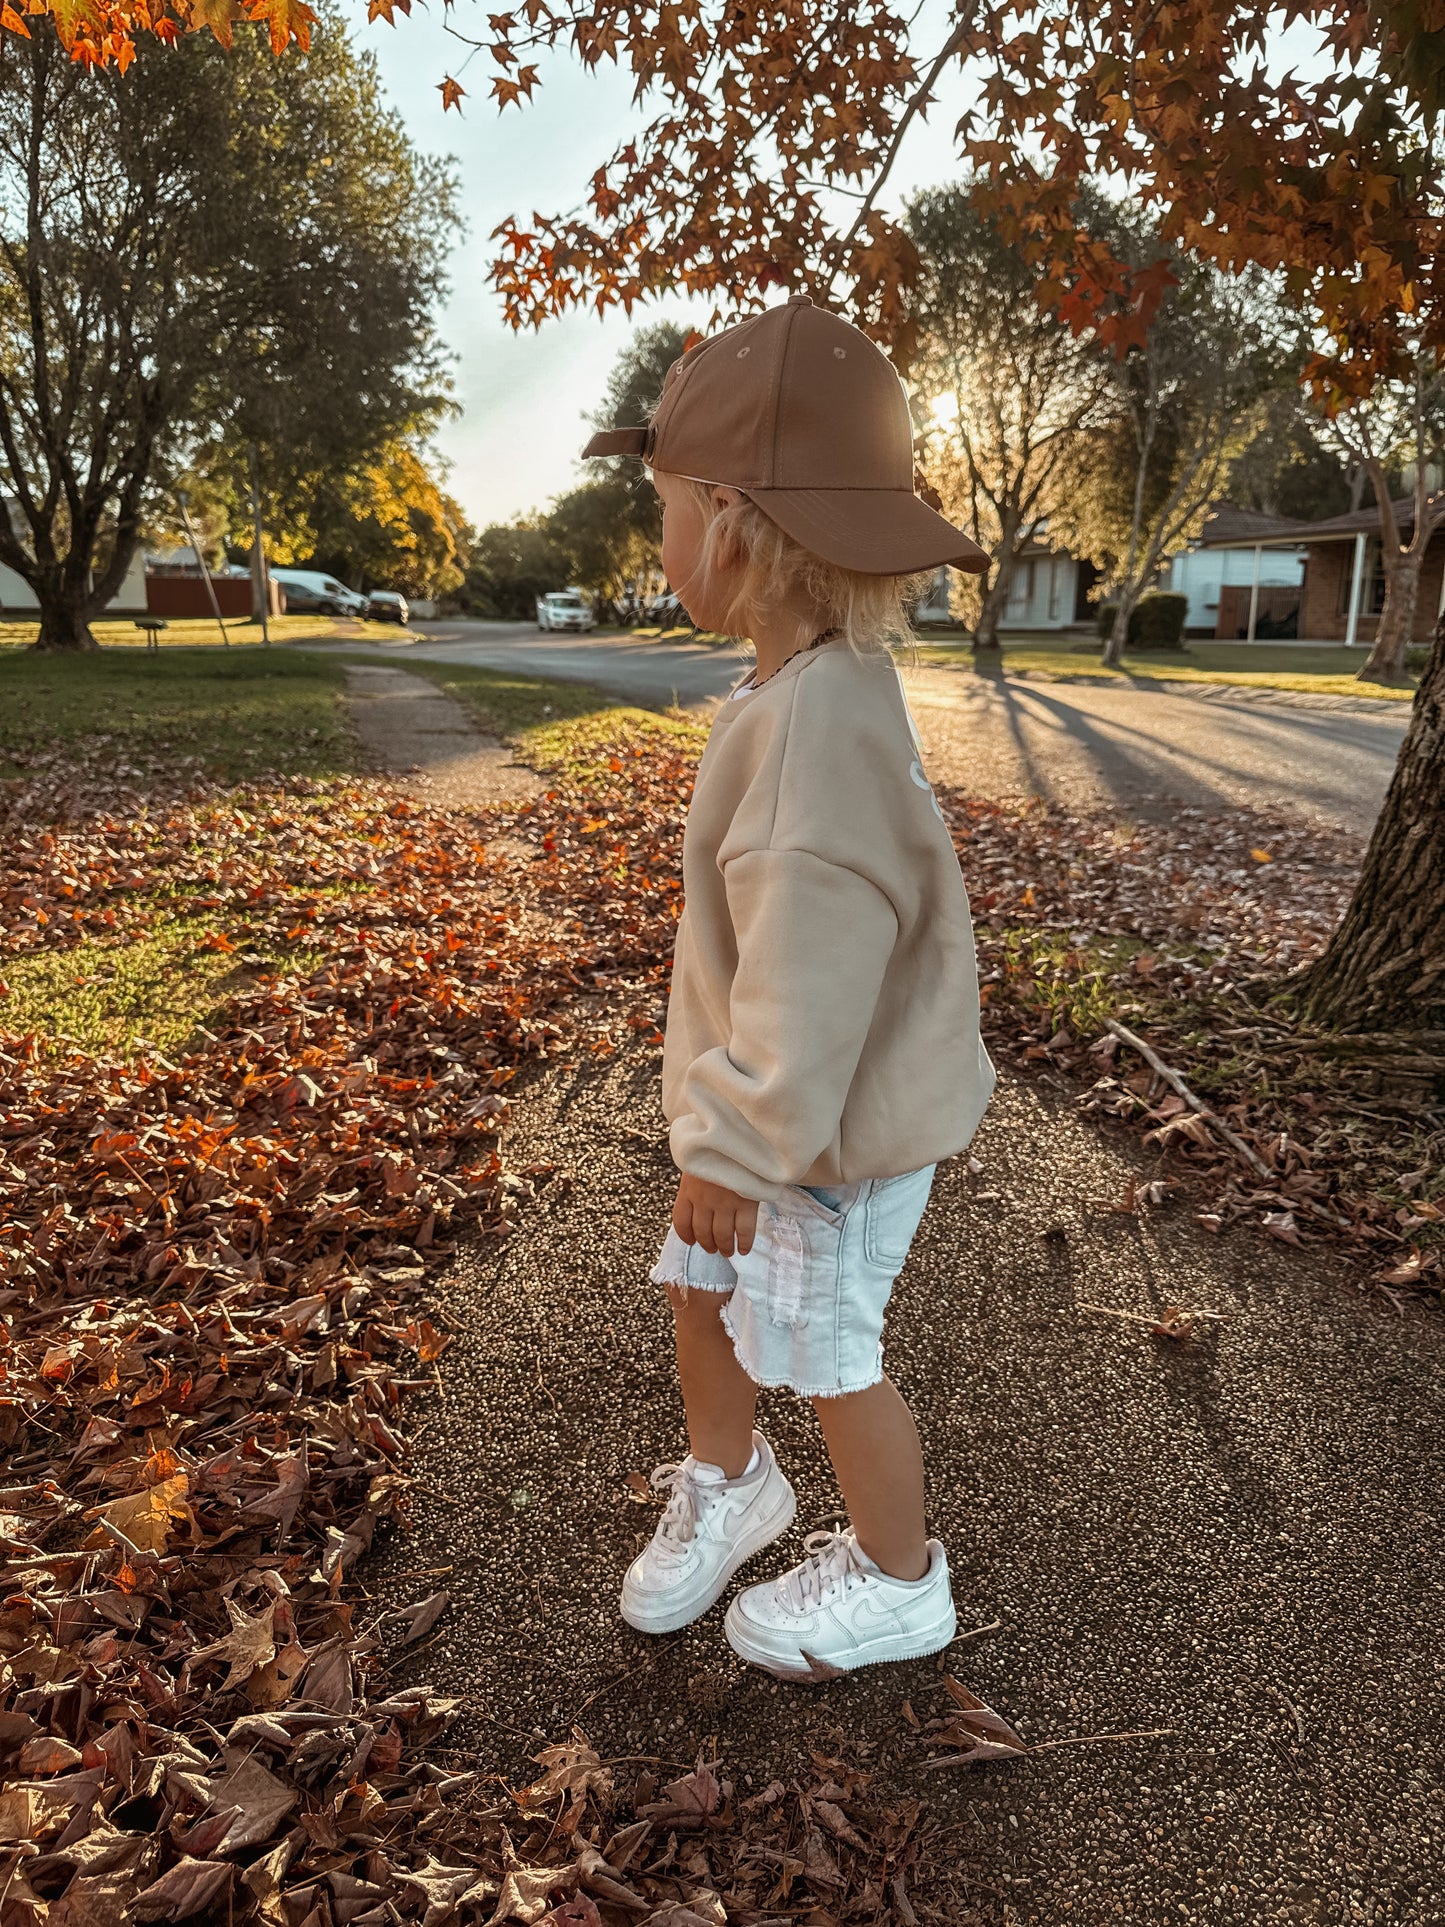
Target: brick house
x,y
1343,590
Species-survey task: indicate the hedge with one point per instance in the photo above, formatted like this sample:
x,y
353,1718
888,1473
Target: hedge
x,y
1157,621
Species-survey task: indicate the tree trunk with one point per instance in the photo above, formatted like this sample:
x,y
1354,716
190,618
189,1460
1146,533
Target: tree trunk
x,y
1124,607
995,600
1396,628
996,595
1384,968
65,611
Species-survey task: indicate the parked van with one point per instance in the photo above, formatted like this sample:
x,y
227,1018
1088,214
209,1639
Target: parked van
x,y
308,592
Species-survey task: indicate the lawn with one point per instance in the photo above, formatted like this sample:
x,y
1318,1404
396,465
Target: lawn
x,y
232,715
1317,671
130,731
201,632
555,724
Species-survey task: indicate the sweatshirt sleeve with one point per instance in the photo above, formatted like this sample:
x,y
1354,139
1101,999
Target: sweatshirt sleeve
x,y
814,939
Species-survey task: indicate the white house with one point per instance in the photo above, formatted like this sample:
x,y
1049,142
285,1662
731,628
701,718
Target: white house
x,y
1053,590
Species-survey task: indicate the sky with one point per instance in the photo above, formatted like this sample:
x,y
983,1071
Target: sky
x,y
525,398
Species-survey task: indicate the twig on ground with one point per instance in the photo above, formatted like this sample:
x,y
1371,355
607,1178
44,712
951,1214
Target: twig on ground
x,y
1289,1705
1095,1739
1074,1739
994,1626
1216,1123
1141,1317
1176,1082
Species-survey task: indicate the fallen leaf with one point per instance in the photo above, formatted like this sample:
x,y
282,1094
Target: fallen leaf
x,y
183,1890
263,1800
145,1518
250,1644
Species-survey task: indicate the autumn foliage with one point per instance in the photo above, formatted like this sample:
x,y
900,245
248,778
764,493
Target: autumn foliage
x,y
1320,167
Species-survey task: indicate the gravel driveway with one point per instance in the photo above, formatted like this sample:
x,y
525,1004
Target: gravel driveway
x,y
1236,1540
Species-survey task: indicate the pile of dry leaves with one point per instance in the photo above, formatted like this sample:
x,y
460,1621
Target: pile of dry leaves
x,y
208,1266
1098,938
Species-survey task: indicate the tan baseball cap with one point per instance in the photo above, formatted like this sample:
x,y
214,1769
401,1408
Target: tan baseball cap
x,y
803,413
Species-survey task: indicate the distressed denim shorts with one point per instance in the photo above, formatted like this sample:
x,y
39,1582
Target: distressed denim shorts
x,y
807,1302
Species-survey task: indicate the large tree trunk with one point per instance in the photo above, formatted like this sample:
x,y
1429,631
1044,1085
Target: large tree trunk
x,y
66,607
1384,968
1396,629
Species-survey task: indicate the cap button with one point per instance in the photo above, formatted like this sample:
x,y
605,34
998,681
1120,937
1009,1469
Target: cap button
x,y
800,301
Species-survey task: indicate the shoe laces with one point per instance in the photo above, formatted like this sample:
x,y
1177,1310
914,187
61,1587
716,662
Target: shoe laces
x,y
678,1524
830,1566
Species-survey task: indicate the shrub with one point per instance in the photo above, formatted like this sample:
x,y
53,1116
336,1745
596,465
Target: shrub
x,y
1158,622
1416,657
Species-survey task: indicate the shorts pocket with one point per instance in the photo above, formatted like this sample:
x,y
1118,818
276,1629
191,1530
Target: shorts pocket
x,y
891,1216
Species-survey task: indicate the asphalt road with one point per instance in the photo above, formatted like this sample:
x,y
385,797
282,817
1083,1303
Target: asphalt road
x,y
1141,748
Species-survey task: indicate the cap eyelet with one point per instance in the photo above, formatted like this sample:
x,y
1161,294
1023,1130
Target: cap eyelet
x,y
742,352
840,354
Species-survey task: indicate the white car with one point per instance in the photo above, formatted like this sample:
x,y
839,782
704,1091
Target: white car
x,y
309,589
565,609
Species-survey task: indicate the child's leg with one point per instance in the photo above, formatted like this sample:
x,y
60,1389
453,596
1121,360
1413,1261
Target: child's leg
x,y
720,1398
874,1446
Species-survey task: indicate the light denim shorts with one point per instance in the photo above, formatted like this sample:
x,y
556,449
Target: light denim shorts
x,y
807,1302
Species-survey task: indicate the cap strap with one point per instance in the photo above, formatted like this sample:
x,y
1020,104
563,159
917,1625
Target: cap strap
x,y
617,441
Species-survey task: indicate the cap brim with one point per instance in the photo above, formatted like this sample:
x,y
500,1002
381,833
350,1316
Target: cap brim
x,y
878,531
617,441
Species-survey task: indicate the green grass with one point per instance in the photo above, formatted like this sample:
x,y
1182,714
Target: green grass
x,y
556,725
201,632
1070,980
104,997
685,633
1322,671
240,713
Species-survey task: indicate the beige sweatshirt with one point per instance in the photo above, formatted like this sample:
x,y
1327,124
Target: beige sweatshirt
x,y
823,1026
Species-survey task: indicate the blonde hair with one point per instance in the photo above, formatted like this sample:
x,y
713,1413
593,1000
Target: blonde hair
x,y
868,611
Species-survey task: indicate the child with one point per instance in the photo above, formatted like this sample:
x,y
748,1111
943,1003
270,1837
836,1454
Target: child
x,y
823,1046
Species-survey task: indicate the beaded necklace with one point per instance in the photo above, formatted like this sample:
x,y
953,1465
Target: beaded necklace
x,y
826,635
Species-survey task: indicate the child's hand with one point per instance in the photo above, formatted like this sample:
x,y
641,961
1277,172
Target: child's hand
x,y
712,1216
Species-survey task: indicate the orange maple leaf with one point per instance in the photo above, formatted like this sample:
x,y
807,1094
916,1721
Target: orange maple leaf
x,y
452,93
218,15
287,20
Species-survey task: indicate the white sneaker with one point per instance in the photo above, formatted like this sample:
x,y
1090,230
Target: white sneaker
x,y
710,1527
834,1613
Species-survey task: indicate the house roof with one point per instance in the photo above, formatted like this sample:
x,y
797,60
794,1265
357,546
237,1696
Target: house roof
x,y
1335,528
1229,527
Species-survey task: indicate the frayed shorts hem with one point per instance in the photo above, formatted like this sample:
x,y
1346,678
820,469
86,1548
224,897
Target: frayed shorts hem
x,y
669,1276
784,1384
